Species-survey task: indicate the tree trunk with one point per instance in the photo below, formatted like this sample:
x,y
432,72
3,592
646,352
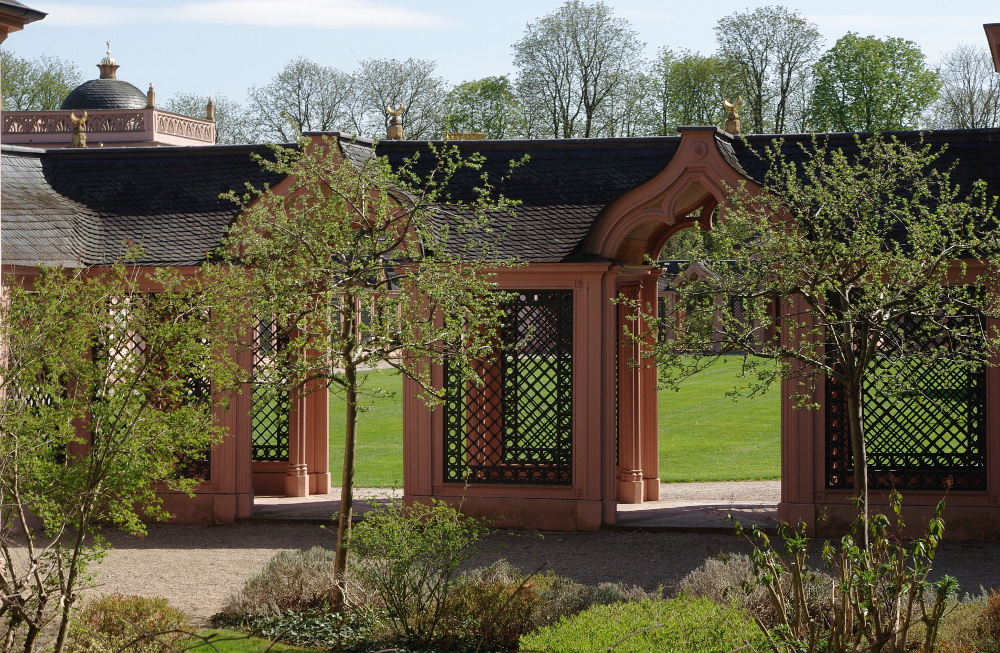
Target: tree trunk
x,y
346,486
855,416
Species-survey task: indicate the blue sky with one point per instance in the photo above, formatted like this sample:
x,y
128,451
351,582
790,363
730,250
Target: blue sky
x,y
216,47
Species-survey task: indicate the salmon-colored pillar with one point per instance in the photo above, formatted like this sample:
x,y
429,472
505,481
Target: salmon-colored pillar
x,y
648,424
631,488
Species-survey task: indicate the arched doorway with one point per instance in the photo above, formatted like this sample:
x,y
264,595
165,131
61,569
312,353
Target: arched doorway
x,y
633,231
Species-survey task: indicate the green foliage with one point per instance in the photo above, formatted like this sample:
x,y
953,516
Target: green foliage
x,y
306,627
689,88
410,555
100,402
231,641
682,625
880,593
871,84
485,105
36,84
128,624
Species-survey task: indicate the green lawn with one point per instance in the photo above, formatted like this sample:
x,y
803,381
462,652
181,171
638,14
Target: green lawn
x,y
704,435
380,434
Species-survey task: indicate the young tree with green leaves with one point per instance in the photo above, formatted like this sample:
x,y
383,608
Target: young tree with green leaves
x,y
357,265
106,392
688,89
36,84
484,105
869,84
871,254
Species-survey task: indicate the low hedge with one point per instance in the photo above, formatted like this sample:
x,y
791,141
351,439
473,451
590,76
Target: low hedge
x,y
681,625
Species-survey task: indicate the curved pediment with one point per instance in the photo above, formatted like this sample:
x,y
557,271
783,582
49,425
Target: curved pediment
x,y
685,192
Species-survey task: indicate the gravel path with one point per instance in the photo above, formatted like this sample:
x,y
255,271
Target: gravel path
x,y
197,567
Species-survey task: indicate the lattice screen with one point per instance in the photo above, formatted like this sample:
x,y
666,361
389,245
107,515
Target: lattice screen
x,y
270,408
517,427
929,437
126,345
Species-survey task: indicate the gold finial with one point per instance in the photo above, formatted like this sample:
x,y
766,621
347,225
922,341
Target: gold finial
x,y
79,138
151,97
733,119
210,109
108,66
395,130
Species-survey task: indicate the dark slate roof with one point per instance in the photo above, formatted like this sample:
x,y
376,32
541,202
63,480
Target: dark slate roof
x,y
562,188
79,206
975,151
20,9
104,94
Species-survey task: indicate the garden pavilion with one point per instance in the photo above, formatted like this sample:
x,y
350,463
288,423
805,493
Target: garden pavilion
x,y
556,455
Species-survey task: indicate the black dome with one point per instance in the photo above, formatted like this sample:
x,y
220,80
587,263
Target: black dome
x,y
105,94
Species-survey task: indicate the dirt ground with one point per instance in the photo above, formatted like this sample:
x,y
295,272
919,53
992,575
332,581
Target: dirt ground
x,y
197,567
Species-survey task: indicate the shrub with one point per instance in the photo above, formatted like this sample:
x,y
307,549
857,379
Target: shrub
x,y
496,611
290,580
972,625
127,624
312,627
682,625
562,597
410,555
882,598
724,580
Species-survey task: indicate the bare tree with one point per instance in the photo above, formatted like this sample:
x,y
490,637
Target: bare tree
x,y
413,83
767,49
232,124
573,61
970,91
304,96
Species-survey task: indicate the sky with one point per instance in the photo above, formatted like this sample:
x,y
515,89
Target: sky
x,y
223,47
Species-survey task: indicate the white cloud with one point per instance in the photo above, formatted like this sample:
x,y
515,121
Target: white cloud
x,y
343,14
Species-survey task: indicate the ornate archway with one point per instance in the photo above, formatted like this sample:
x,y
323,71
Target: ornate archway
x,y
632,231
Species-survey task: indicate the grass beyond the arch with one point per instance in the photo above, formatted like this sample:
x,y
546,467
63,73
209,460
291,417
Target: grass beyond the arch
x,y
704,435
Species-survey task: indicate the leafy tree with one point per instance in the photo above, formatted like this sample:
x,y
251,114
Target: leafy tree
x,y
871,84
856,249
483,105
304,96
970,90
353,266
105,392
627,111
36,84
573,60
231,121
379,83
688,88
766,50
